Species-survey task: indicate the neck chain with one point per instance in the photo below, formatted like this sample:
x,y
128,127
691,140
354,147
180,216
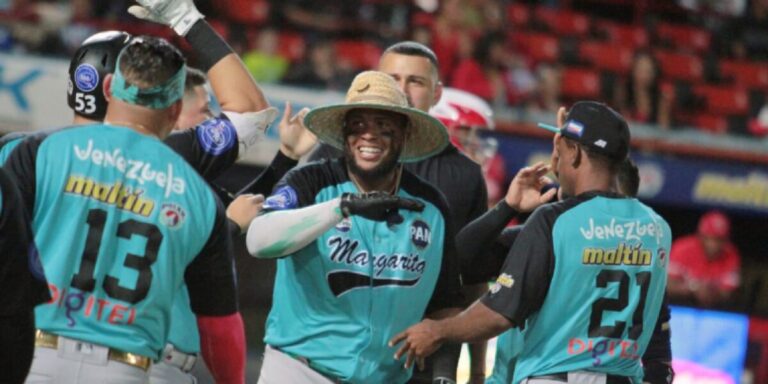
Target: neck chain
x,y
135,126
393,191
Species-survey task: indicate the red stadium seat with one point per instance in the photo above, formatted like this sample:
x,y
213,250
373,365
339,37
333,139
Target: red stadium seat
x,y
563,22
249,12
680,66
607,56
709,123
684,37
518,14
536,46
291,46
745,73
723,100
580,83
357,53
627,35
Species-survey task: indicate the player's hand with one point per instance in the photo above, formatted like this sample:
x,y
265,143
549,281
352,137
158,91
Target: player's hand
x,y
524,193
244,209
180,15
419,341
295,139
378,206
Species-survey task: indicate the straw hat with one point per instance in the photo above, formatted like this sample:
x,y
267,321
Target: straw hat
x,y
425,135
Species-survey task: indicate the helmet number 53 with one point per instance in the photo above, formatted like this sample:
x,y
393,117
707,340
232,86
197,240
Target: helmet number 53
x,y
85,103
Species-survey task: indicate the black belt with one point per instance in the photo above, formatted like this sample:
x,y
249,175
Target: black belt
x,y
563,378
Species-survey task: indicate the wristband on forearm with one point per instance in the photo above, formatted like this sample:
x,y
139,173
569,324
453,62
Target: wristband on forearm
x,y
209,46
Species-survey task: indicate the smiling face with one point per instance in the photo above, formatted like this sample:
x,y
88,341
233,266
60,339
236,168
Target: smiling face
x,y
373,141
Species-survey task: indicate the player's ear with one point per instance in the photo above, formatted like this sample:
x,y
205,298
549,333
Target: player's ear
x,y
107,88
438,93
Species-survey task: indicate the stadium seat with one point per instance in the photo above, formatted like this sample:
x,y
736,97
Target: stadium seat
x,y
709,123
745,73
561,22
580,83
683,36
723,100
537,46
291,46
248,12
680,66
632,36
358,53
518,14
606,56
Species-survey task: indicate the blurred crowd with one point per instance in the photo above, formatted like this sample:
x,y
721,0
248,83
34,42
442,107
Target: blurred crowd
x,y
530,56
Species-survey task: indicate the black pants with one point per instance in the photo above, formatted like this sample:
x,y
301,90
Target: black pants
x,y
17,346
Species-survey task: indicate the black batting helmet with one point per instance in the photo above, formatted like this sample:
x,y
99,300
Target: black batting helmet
x,y
95,59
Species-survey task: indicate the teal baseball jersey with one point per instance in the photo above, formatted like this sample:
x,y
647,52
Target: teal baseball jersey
x,y
589,275
7,145
508,347
339,300
120,221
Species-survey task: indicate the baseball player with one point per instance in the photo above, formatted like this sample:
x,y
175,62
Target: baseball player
x,y
489,240
415,69
22,282
583,289
365,246
121,221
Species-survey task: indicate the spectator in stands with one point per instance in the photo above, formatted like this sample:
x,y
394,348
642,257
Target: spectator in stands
x,y
329,18
264,62
450,26
640,98
322,71
546,97
704,267
747,36
487,72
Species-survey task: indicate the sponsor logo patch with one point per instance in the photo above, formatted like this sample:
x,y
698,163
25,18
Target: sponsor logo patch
x,y
172,215
216,135
345,225
283,198
86,77
420,234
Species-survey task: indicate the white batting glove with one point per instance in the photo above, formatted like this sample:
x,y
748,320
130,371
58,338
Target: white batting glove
x,y
180,15
251,127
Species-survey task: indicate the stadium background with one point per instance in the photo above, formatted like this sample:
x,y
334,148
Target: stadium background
x,y
701,146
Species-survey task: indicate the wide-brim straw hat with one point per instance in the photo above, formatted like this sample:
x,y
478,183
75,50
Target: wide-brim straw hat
x,y
424,136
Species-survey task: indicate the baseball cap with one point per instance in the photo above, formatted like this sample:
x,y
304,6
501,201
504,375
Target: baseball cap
x,y
596,126
715,224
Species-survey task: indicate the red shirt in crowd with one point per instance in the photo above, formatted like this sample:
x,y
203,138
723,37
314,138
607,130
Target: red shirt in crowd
x,y
689,262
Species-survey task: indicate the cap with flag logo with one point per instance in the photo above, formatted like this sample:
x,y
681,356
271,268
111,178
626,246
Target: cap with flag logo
x,y
596,126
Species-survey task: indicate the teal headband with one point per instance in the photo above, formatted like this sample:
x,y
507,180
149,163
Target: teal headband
x,y
158,97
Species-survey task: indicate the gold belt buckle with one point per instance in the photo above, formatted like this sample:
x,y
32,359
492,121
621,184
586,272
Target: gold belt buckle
x,y
49,340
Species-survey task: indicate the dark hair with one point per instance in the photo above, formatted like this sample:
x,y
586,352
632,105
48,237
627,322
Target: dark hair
x,y
482,52
149,61
412,48
655,89
195,78
597,158
628,178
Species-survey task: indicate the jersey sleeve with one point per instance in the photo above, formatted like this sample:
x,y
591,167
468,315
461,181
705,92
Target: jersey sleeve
x,y
21,168
21,275
447,293
475,244
269,177
524,280
210,277
210,147
298,188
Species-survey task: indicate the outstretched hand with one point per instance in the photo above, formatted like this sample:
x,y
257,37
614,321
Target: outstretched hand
x,y
419,341
180,15
295,139
524,193
244,209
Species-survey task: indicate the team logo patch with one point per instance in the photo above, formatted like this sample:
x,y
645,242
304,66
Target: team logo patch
x,y
420,234
574,127
172,215
283,198
86,77
216,135
345,225
505,280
